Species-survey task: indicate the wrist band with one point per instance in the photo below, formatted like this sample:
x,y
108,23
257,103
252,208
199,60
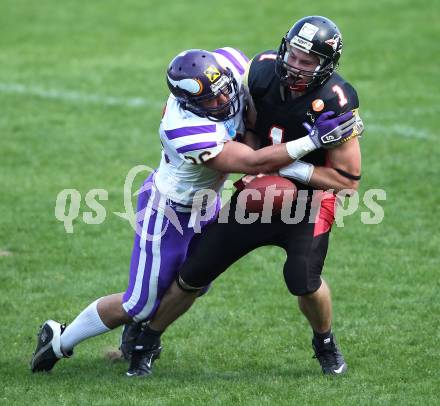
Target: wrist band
x,y
298,170
300,147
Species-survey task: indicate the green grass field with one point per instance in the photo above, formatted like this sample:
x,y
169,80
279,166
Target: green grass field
x,y
81,89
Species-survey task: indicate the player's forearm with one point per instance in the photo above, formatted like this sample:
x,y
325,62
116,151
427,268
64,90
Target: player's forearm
x,y
328,178
239,158
267,159
274,157
321,177
344,172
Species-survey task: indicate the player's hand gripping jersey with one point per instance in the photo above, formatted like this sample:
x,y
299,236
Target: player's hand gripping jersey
x,y
189,140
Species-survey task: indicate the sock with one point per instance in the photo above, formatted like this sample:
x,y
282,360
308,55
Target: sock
x,y
322,338
149,338
87,324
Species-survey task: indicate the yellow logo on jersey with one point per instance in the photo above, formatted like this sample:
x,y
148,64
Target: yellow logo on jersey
x,y
212,73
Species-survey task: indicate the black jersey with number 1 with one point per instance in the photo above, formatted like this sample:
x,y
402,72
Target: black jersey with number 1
x,y
280,119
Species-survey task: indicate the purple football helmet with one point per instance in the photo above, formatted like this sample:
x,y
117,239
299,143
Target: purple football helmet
x,y
195,77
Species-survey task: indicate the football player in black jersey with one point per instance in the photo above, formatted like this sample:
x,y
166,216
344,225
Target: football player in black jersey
x,y
288,91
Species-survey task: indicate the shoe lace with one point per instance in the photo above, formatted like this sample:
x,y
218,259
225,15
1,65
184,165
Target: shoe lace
x,y
327,356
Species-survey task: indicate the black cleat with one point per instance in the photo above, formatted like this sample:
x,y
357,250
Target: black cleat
x,y
130,334
142,359
48,350
328,354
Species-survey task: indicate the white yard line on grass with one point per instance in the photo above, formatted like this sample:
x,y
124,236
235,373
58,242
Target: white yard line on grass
x,y
401,130
77,97
400,113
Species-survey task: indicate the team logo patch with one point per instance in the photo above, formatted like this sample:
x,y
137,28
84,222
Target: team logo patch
x,y
308,31
334,42
358,128
193,86
201,87
212,73
317,105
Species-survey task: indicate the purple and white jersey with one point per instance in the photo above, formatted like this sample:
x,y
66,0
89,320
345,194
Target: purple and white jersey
x,y
189,140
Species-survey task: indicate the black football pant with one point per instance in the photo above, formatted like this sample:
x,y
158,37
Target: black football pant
x,y
220,245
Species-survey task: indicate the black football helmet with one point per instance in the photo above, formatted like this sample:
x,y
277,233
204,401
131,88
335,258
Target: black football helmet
x,y
314,34
195,76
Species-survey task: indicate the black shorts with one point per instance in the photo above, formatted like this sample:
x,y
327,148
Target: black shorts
x,y
221,244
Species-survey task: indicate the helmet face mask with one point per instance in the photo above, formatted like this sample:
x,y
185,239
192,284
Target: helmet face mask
x,y
313,35
201,85
298,79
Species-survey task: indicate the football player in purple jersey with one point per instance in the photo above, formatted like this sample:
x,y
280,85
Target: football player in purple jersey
x,y
203,116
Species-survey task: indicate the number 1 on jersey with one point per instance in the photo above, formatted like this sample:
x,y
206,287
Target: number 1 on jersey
x,y
342,99
276,134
